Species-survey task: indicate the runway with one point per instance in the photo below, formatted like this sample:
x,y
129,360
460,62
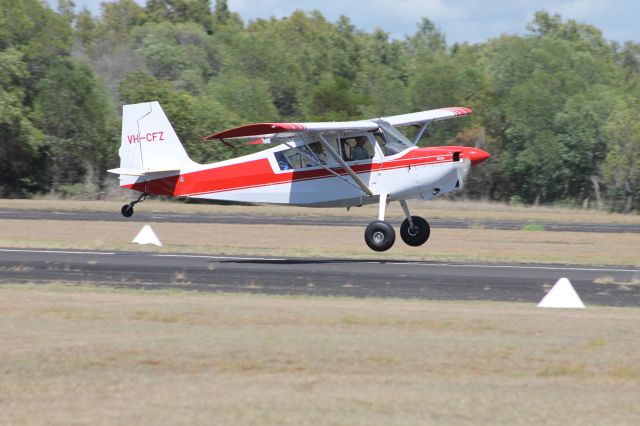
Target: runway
x,y
319,220
612,286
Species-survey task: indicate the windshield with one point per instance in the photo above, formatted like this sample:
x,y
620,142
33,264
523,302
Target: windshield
x,y
394,140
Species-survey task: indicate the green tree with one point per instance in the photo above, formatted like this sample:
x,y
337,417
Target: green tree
x,y
22,171
181,52
72,108
119,18
580,127
181,11
334,100
249,99
621,168
428,39
40,34
381,76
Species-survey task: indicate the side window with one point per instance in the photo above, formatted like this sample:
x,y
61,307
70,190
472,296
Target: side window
x,y
382,143
356,148
310,155
289,159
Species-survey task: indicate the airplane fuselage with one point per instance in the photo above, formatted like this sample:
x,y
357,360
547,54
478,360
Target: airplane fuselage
x,y
414,172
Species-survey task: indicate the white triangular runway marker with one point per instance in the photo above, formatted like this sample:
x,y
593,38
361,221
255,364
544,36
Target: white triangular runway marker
x,y
146,236
561,295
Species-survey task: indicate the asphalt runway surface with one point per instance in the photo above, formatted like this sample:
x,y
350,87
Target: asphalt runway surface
x,y
142,216
612,286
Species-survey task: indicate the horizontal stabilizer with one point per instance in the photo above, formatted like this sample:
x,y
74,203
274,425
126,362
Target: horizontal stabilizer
x,y
140,172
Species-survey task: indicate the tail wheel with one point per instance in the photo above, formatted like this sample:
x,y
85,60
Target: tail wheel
x,y
379,235
416,235
127,210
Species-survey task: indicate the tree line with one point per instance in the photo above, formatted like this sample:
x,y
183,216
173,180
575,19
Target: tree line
x,y
558,108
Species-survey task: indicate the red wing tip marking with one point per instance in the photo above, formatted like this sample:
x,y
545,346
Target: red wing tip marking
x,y
459,110
257,129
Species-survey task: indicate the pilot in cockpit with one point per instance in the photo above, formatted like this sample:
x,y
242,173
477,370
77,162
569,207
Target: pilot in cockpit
x,y
359,152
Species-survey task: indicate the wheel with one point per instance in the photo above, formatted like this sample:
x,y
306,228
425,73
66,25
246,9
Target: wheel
x,y
127,210
379,235
418,235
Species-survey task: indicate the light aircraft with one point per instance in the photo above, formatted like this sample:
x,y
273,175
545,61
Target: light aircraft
x,y
347,164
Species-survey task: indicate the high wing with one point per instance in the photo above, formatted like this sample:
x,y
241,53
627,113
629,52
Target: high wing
x,y
265,129
423,117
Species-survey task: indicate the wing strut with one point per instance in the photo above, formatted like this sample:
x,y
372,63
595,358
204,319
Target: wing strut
x,y
418,135
344,165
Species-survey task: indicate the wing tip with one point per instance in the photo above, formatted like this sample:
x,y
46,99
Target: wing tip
x,y
457,110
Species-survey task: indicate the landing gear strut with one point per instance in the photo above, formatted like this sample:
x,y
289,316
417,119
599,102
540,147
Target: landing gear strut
x,y
380,235
127,209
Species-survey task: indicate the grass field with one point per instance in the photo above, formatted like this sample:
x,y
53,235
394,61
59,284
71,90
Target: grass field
x,y
440,208
531,244
328,241
74,355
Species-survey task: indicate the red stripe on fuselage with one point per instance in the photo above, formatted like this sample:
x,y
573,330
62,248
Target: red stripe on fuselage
x,y
258,173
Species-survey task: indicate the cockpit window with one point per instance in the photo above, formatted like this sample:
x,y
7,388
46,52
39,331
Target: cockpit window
x,y
311,154
356,148
391,140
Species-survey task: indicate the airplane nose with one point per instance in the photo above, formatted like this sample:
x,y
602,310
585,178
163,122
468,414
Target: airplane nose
x,y
476,155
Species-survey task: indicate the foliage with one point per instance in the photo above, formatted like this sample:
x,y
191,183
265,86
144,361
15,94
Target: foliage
x,y
621,168
72,108
557,108
20,141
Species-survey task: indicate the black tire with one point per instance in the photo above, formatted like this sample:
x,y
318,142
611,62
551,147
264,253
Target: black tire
x,y
379,235
127,210
418,235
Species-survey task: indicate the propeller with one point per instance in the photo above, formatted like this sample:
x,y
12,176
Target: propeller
x,y
463,170
470,157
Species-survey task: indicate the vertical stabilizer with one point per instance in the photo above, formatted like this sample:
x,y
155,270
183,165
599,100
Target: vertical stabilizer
x,y
149,143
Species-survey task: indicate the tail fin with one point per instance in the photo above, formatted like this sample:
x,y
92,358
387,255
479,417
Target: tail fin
x,y
148,142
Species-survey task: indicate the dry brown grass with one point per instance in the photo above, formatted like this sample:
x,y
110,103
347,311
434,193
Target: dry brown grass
x,y
88,356
440,208
327,241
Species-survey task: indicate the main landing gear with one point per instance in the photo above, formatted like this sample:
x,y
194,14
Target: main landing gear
x,y
127,209
380,235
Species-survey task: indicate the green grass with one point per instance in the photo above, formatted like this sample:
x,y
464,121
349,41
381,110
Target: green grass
x,y
535,227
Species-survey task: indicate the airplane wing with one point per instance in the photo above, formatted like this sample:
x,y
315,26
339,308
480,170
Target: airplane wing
x,y
426,116
264,129
270,129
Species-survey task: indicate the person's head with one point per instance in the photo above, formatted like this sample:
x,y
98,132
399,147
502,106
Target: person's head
x,y
361,140
316,147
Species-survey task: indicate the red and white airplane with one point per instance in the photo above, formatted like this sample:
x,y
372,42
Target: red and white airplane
x,y
330,164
